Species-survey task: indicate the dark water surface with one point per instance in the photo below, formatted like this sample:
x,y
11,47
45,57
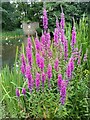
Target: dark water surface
x,y
7,56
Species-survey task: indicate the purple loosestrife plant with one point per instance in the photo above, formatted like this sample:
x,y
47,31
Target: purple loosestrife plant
x,y
17,92
62,22
65,49
43,40
30,85
63,92
48,40
62,36
23,91
72,63
68,71
41,63
37,81
37,45
45,53
45,20
38,59
73,41
56,64
56,37
59,81
43,80
29,44
29,55
49,74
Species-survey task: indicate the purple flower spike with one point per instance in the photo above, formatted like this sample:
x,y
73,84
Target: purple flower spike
x,y
42,63
73,41
48,39
30,85
23,69
45,20
62,22
68,71
72,63
23,91
17,92
63,92
49,71
62,36
28,74
37,44
43,80
29,55
56,37
43,40
29,43
59,81
65,50
49,74
56,64
37,81
38,59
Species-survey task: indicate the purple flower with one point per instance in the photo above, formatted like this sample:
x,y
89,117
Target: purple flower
x,y
41,63
68,71
56,64
17,92
37,81
59,81
45,20
38,59
23,65
49,74
28,74
65,49
56,37
48,39
49,71
43,39
49,52
63,92
23,69
37,44
43,79
73,41
29,43
30,85
29,55
62,36
62,22
23,91
72,64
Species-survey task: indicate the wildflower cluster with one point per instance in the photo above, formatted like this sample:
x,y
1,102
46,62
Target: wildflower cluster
x,y
49,55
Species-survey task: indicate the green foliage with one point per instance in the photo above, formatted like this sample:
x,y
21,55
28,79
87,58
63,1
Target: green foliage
x,y
9,18
13,14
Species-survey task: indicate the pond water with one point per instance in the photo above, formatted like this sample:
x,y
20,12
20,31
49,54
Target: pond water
x,y
8,52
